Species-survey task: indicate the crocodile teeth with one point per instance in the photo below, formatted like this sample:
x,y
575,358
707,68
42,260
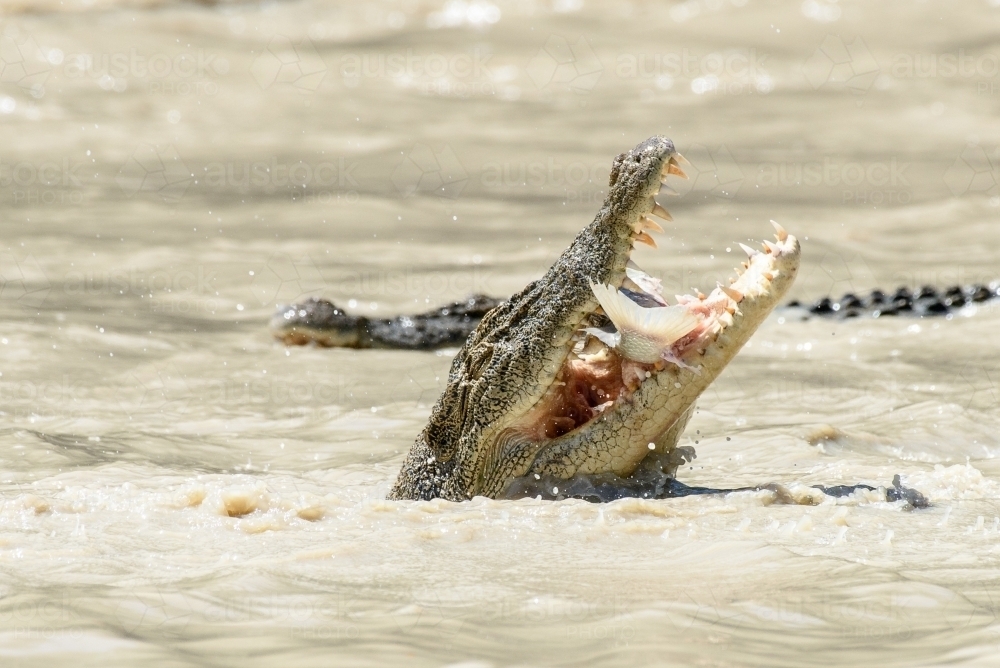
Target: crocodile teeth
x,y
651,225
667,190
749,251
769,247
660,212
644,334
676,171
644,238
677,157
780,233
733,293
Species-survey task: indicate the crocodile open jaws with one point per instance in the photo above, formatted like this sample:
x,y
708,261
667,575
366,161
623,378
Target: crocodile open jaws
x,y
587,376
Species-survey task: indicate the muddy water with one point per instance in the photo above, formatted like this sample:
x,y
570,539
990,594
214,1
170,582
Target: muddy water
x,y
177,489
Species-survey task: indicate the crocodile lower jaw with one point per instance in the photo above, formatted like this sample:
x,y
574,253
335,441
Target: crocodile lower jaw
x,y
606,413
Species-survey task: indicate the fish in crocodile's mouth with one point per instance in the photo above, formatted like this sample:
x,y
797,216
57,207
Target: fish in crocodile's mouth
x,y
636,334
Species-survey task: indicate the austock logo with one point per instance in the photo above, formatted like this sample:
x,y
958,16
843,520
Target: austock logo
x,y
713,171
425,171
152,388
838,64
22,61
159,171
729,72
422,383
152,169
151,611
981,386
842,271
561,64
286,279
430,72
23,280
296,64
975,170
183,73
577,180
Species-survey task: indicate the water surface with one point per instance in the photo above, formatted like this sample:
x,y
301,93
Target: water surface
x,y
178,489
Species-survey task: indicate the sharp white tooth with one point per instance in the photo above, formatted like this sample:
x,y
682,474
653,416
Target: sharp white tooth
x,y
676,171
651,225
677,157
769,247
734,294
667,190
644,333
749,251
779,232
660,212
768,275
698,293
644,238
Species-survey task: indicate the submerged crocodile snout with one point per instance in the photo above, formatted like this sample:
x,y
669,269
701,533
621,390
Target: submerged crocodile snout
x,y
590,370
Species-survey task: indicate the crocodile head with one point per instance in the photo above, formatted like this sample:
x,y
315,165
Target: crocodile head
x,y
588,371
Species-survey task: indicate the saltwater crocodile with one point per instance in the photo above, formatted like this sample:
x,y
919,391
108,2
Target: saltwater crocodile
x,y
582,383
926,302
321,322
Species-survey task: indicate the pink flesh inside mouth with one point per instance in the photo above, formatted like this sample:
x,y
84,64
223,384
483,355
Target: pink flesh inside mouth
x,y
596,376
